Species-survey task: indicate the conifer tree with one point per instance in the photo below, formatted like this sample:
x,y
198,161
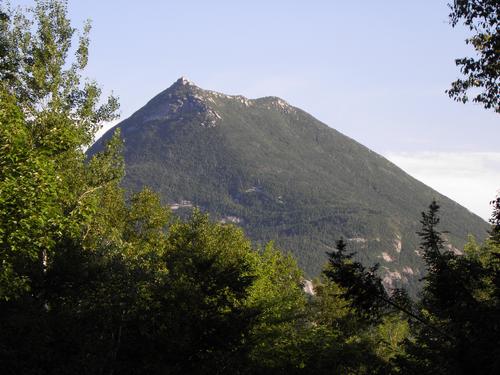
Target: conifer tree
x,y
459,299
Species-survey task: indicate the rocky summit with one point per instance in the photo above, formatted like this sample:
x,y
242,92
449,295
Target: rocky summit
x,y
282,175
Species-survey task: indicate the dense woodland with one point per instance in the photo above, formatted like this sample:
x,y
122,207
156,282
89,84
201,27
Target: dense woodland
x,y
94,282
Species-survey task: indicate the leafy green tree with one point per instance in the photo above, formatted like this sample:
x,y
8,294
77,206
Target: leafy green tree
x,y
38,71
201,318
50,195
482,72
277,292
48,116
30,215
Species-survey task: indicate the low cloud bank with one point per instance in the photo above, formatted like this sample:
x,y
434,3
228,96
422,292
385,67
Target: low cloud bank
x,y
470,178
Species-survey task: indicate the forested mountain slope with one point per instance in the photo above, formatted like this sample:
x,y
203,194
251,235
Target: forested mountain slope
x,y
284,176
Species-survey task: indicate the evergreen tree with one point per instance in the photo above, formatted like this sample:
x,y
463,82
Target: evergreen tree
x,y
460,300
361,286
378,318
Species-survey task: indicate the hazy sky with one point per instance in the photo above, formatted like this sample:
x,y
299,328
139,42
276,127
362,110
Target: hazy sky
x,y
374,70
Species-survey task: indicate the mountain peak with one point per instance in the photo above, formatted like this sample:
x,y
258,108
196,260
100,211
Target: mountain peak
x,y
182,100
184,81
183,85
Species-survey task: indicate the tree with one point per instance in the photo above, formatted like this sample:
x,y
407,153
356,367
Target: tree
x,y
377,317
201,318
30,216
49,195
48,116
481,73
37,69
361,286
495,220
276,336
460,300
341,339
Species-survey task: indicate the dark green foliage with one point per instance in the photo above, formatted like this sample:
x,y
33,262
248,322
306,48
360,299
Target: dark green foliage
x,y
460,302
286,176
377,319
453,326
482,72
361,286
442,284
431,239
201,319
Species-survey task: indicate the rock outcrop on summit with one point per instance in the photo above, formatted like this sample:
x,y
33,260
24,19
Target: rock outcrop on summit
x,y
284,176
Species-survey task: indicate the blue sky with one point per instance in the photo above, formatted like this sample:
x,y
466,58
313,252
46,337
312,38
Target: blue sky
x,y
374,70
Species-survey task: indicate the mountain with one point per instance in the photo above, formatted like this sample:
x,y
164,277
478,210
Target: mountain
x,y
284,176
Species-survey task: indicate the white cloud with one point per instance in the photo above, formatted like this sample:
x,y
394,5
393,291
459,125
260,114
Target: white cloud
x,y
470,178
